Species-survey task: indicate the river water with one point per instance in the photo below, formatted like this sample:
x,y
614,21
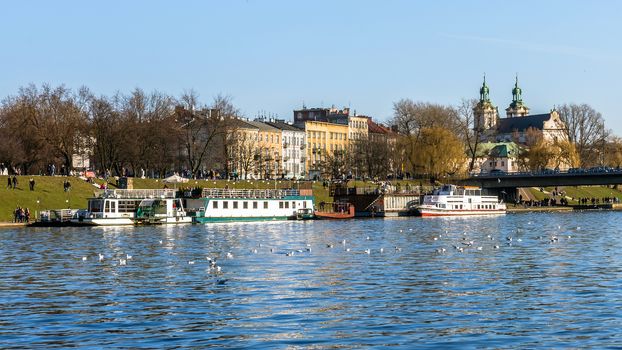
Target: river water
x,y
557,283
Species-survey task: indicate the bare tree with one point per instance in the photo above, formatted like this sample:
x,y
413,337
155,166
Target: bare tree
x,y
586,129
205,132
471,132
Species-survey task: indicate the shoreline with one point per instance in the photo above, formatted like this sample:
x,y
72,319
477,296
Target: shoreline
x,y
610,207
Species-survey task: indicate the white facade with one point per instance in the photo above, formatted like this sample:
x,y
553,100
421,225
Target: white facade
x,y
293,153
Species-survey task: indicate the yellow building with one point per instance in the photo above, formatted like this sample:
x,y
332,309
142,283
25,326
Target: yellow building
x,y
323,140
268,163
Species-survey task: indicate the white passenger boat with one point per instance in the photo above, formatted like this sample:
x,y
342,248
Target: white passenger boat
x,y
217,204
451,200
129,207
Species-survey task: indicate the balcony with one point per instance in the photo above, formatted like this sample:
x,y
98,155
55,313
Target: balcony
x,y
303,159
302,146
285,144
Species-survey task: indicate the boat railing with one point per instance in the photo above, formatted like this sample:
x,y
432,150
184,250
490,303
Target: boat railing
x,y
250,193
343,191
139,193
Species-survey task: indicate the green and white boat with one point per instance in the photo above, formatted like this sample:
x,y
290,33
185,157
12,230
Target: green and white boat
x,y
218,205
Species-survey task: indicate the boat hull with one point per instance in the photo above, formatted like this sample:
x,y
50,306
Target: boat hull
x,y
206,220
439,212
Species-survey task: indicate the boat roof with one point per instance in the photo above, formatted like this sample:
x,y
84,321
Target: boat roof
x,y
138,193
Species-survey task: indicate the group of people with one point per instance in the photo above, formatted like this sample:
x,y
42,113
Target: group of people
x,y
21,215
594,201
11,182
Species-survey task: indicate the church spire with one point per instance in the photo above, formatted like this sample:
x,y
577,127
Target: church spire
x,y
484,92
516,93
517,108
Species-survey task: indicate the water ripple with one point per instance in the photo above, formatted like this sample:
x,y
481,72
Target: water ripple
x,y
518,281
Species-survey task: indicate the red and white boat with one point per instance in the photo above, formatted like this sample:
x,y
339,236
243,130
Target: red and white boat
x,y
451,200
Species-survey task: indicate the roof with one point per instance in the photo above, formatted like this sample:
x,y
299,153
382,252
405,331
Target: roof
x,y
508,125
497,149
375,128
243,124
263,126
283,126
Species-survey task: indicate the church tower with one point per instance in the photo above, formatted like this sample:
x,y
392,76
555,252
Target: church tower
x,y
486,115
517,108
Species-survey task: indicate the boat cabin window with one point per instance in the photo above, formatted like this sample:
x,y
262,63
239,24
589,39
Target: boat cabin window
x,y
265,205
215,204
127,206
254,205
95,206
280,205
245,205
293,205
304,204
110,206
235,205
225,205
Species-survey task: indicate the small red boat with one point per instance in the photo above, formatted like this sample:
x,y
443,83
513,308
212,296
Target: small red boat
x,y
338,211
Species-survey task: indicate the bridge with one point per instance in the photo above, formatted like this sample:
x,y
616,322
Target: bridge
x,y
506,184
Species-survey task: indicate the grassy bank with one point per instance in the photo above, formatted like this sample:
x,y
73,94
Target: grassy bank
x,y
578,192
49,194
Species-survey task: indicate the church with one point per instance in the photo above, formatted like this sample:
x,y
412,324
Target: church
x,y
517,121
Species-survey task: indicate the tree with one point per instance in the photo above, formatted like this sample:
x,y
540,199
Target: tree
x,y
440,152
586,129
412,118
538,153
205,132
564,155
334,164
471,132
245,153
106,133
613,152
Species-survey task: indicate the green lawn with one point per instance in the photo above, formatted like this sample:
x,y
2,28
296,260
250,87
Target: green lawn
x,y
50,195
48,192
579,192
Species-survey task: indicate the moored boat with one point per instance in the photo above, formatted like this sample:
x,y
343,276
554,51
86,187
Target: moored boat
x,y
451,200
217,204
336,211
129,207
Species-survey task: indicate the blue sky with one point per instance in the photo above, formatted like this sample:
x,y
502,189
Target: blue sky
x,y
273,55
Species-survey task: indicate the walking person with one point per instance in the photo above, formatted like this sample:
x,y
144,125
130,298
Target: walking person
x,y
14,181
31,183
9,184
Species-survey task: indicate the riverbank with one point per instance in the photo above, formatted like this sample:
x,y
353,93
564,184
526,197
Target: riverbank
x,y
49,194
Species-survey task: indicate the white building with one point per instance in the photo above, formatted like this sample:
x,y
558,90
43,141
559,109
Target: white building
x,y
293,148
